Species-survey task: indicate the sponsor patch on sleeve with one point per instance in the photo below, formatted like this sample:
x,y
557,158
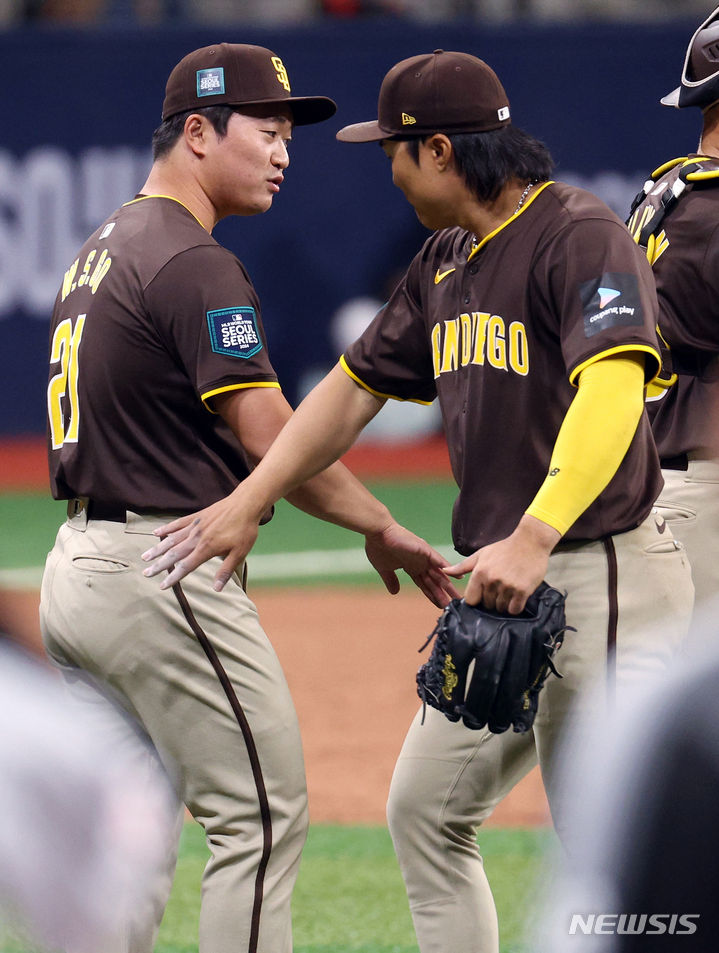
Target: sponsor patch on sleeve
x,y
611,301
234,331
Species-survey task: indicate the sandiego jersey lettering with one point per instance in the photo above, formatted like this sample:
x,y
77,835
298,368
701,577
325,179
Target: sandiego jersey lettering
x,y
503,357
479,338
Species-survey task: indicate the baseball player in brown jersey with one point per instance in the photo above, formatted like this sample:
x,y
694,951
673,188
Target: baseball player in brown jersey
x,y
529,314
675,219
161,396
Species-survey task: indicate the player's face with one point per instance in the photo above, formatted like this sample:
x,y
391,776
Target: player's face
x,y
423,187
246,165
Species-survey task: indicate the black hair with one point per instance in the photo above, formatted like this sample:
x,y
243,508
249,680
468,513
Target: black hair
x,y
167,134
488,160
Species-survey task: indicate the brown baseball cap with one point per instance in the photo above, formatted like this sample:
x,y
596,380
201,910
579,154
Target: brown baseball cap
x,y
435,92
238,74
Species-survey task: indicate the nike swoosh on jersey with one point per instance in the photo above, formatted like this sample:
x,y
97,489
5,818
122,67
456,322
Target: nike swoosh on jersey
x,y
442,274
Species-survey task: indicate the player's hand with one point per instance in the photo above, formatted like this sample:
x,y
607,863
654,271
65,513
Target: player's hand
x,y
397,548
223,529
504,574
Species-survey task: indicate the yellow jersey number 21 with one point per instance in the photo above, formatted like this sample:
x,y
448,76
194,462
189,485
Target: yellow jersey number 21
x,y
64,351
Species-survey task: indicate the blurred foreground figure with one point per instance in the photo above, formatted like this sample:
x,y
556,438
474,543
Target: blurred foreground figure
x,y
643,872
85,818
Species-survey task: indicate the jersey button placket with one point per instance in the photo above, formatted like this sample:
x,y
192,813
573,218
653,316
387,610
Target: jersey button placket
x,y
469,272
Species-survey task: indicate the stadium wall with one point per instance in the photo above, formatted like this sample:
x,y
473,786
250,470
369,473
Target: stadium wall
x,y
83,104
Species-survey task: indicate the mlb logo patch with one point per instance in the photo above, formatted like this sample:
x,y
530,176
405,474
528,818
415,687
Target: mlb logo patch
x,y
234,331
211,82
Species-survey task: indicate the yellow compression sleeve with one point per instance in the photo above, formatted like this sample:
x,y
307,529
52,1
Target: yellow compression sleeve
x,y
593,439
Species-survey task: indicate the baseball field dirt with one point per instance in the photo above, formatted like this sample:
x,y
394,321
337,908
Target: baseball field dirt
x,y
350,656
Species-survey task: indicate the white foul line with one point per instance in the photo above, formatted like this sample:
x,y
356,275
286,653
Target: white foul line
x,y
304,564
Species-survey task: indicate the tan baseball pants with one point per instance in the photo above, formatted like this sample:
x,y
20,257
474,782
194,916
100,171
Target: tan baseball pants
x,y
689,502
630,599
220,718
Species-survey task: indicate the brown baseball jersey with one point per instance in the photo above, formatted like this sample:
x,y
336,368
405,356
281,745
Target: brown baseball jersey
x,y
500,332
685,259
153,320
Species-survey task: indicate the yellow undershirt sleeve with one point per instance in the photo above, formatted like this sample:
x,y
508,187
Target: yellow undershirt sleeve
x,y
593,439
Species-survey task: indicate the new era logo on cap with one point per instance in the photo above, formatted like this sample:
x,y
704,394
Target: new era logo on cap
x,y
211,82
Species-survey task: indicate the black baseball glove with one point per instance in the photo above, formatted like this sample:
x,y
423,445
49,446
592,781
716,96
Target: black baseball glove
x,y
487,668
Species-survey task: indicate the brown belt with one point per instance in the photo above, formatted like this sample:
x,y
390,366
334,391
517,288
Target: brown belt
x,y
680,462
116,512
113,512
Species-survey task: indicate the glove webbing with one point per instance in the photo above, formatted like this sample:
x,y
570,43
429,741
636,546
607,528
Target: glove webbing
x,y
431,665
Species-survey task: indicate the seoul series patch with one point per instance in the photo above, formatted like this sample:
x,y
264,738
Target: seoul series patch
x,y
211,82
611,301
234,331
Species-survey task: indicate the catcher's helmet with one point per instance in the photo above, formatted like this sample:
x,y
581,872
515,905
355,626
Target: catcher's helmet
x,y
700,76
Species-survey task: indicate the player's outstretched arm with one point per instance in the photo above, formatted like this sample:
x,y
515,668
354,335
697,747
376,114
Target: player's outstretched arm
x,y
300,465
227,529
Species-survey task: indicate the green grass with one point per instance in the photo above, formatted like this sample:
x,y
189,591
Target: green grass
x,y
424,506
29,523
350,897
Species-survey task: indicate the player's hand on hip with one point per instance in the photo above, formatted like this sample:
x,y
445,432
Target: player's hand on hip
x,y
504,574
219,530
398,548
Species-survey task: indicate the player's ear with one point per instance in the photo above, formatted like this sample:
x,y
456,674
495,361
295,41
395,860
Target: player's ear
x,y
195,133
441,151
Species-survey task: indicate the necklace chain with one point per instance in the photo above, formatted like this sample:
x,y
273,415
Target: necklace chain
x,y
520,203
523,196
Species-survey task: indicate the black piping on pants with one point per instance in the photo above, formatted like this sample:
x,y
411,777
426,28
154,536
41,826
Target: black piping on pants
x,y
252,754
